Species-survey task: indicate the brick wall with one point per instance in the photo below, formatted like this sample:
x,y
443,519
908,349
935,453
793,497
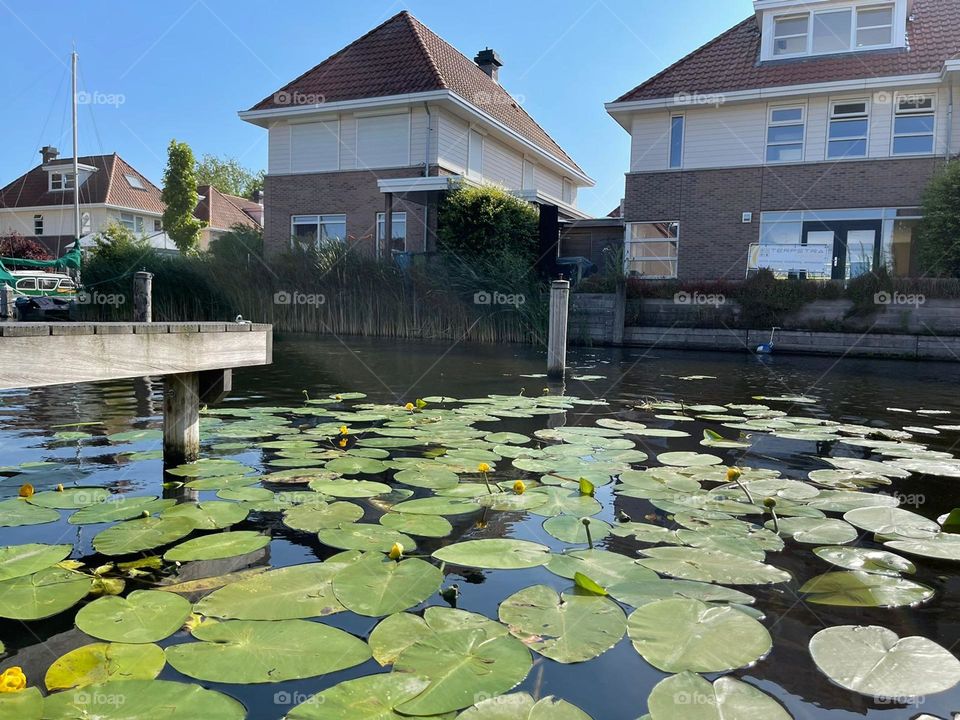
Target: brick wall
x,y
352,192
709,203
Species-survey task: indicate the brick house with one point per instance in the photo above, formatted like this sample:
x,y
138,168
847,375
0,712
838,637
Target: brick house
x,y
800,140
362,146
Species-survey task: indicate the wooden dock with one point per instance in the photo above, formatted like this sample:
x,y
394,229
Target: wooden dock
x,y
195,360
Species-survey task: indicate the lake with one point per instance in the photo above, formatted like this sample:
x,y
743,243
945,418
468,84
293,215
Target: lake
x,y
638,386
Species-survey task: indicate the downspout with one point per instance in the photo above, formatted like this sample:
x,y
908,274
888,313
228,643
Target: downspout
x,y
950,125
426,173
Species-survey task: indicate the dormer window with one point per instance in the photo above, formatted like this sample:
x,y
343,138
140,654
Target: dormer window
x,y
61,181
834,29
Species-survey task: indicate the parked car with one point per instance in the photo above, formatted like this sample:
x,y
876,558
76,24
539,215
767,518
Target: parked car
x,y
36,283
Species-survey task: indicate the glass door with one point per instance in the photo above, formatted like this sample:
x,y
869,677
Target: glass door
x,y
856,245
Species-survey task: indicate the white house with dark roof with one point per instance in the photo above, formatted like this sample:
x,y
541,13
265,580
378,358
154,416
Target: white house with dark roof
x,y
392,121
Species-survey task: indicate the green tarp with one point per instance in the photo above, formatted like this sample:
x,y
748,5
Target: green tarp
x,y
69,261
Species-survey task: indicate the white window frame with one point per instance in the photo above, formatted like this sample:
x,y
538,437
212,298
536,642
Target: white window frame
x,y
134,182
64,182
771,123
643,241
38,224
683,140
857,28
775,37
855,9
898,113
848,117
129,221
317,221
398,217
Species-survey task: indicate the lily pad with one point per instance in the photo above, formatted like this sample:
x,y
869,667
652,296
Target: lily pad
x,y
144,616
688,459
944,546
345,488
373,697
45,593
15,512
21,560
873,660
561,501
353,465
27,704
438,506
602,566
313,518
520,706
434,526
892,521
365,536
688,696
297,591
70,498
678,635
571,529
431,478
102,662
815,531
217,546
462,654
567,628
862,589
878,562
637,593
142,534
213,515
495,554
711,566
251,651
135,699
375,586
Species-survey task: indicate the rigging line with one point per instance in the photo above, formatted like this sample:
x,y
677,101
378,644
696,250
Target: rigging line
x,y
93,119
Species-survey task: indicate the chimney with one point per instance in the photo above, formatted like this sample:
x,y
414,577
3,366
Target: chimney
x,y
258,197
49,153
489,61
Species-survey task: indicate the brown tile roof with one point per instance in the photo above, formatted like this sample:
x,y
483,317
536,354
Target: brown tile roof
x,y
730,62
403,56
221,211
106,186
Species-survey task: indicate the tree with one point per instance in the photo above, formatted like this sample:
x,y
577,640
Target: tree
x,y
938,240
228,176
239,246
180,198
16,245
116,239
487,223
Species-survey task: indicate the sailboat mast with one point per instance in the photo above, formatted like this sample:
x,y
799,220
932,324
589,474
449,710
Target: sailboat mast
x,y
76,161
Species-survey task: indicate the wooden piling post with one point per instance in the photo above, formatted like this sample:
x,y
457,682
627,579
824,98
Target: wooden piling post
x,y
143,296
181,418
619,312
557,340
8,303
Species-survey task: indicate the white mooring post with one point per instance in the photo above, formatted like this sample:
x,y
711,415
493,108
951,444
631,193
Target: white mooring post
x,y
8,303
143,297
181,418
557,340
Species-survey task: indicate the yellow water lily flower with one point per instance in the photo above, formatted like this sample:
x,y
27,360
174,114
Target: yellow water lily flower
x,y
26,490
483,467
396,552
519,487
344,430
338,397
12,680
733,474
342,443
408,406
59,487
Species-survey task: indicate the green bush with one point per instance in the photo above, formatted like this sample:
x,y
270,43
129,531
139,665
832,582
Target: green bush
x,y
243,244
938,239
487,223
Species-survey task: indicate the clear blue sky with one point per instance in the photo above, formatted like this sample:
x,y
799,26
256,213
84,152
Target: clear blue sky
x,y
183,69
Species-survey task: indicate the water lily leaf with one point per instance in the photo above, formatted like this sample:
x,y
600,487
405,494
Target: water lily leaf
x,y
20,560
119,507
495,554
365,536
142,534
588,584
462,654
45,593
24,705
15,512
297,591
246,494
949,523
603,566
217,546
637,593
873,660
675,635
101,662
561,501
815,531
844,500
144,616
373,697
944,546
710,566
253,651
520,706
877,562
571,529
375,586
207,584
211,515
345,488
862,589
688,696
510,501
431,478
566,628
434,526
353,465
69,498
134,699
868,466
715,439
688,459
892,521
316,517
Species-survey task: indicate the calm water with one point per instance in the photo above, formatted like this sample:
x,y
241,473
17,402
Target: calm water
x,y
615,685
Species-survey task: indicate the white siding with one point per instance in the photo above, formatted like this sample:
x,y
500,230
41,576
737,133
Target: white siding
x,y
418,136
452,134
314,147
383,141
59,220
278,148
549,183
650,146
501,165
348,142
942,127
818,123
725,136
881,124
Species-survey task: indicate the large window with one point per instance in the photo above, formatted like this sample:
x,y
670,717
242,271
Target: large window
x,y
676,141
849,130
913,126
316,230
652,249
790,34
133,223
831,31
834,30
785,133
874,26
61,181
399,231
